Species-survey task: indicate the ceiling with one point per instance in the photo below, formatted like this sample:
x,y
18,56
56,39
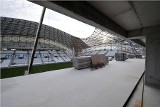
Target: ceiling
x,y
130,15
127,19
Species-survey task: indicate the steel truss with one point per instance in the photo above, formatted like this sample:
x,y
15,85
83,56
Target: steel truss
x,y
103,40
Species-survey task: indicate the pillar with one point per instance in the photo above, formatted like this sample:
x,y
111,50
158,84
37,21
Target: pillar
x,y
152,77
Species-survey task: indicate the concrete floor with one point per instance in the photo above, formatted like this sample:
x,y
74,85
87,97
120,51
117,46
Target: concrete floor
x,y
105,87
137,96
151,96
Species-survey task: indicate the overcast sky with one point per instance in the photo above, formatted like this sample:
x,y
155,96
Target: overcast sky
x,y
23,9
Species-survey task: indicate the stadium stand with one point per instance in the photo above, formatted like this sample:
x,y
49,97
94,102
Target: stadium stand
x,y
54,46
21,58
20,34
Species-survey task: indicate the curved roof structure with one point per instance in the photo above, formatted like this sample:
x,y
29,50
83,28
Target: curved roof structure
x,y
20,34
99,38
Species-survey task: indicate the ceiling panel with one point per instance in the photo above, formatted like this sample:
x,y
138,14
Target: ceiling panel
x,y
148,12
119,12
111,8
128,20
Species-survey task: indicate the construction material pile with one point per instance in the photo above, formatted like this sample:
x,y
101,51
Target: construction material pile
x,y
131,56
94,61
138,56
99,61
82,62
120,56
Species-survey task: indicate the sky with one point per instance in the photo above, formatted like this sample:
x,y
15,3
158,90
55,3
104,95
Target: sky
x,y
23,9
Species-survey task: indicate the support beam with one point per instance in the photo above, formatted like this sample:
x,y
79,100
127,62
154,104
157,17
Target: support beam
x,y
12,59
83,11
35,42
139,42
139,33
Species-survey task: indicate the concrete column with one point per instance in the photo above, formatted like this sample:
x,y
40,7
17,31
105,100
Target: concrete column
x,y
153,60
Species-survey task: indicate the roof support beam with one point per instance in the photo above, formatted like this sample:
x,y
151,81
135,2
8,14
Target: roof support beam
x,y
139,42
83,11
35,42
139,33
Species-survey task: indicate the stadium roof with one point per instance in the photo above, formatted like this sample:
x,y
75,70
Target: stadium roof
x,y
20,34
100,37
